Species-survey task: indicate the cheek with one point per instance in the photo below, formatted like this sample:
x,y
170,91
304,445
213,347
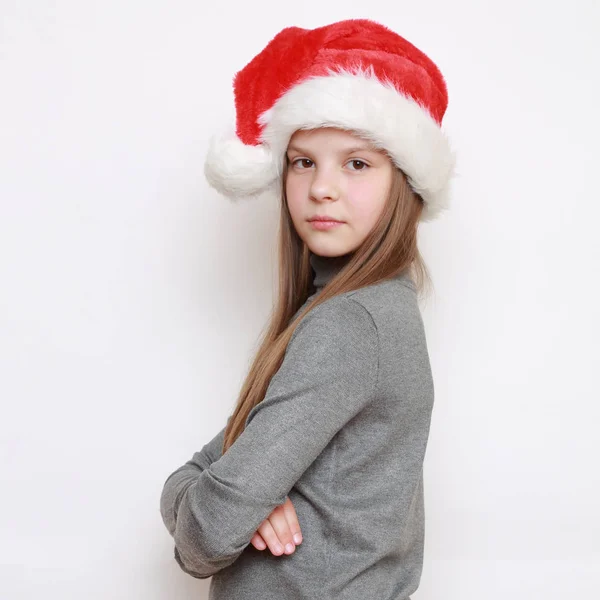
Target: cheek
x,y
367,201
294,197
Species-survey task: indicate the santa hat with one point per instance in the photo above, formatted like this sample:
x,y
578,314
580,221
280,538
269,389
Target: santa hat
x,y
354,74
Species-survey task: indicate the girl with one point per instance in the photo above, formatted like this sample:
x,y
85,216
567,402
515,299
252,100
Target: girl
x,y
328,436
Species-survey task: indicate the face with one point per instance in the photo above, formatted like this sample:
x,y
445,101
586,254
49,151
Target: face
x,y
336,174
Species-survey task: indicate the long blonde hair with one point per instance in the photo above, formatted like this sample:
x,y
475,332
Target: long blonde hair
x,y
389,249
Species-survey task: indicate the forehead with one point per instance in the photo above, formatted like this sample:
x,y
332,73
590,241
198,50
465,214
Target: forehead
x,y
330,135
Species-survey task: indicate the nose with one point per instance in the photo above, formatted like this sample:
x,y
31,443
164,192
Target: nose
x,y
324,185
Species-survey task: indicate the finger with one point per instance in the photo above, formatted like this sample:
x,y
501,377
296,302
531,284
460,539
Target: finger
x,y
292,519
258,542
281,526
270,537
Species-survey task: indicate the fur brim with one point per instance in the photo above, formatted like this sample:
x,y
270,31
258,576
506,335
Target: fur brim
x,y
349,100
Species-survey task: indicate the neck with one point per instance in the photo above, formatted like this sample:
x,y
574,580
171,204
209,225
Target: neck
x,y
326,267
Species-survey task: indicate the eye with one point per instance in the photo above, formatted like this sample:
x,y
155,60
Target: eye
x,y
302,160
356,161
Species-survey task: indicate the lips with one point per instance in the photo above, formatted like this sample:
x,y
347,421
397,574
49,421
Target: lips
x,y
325,219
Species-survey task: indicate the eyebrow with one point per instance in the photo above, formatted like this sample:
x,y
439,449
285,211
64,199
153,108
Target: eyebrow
x,y
368,148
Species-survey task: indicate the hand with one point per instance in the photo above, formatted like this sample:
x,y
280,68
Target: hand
x,y
278,530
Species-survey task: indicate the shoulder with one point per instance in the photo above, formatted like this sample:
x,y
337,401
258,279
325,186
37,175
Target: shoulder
x,y
357,317
339,321
392,303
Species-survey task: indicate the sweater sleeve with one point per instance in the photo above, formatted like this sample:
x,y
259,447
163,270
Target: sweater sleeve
x,y
178,481
328,375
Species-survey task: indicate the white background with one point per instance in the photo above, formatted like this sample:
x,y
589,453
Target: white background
x,y
132,295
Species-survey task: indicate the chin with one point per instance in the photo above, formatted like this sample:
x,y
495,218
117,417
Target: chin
x,y
327,247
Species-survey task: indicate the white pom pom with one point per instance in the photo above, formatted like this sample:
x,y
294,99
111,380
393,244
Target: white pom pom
x,y
236,169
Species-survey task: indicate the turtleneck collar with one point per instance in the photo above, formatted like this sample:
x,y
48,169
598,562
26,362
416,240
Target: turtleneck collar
x,y
326,267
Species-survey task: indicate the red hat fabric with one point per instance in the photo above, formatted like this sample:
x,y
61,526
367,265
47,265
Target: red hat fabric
x,y
356,75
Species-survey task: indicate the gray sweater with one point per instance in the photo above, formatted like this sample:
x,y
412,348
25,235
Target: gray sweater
x,y
342,430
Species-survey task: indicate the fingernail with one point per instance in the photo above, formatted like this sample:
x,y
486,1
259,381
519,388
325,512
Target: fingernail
x,y
297,538
289,547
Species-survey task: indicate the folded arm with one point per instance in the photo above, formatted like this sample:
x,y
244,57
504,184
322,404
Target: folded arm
x,y
328,375
178,481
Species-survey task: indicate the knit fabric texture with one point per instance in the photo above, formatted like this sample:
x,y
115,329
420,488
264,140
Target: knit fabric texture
x,y
342,431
